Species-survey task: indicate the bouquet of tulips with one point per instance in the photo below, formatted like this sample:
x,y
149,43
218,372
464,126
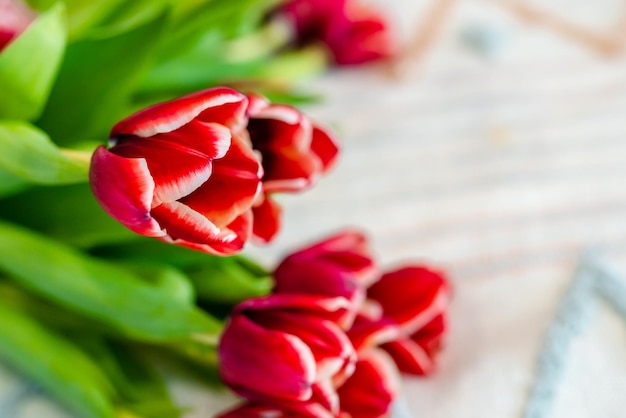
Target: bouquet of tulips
x,y
143,146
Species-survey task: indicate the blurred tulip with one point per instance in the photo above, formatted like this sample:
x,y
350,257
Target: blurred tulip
x,y
341,265
354,34
15,17
405,315
294,152
286,348
182,171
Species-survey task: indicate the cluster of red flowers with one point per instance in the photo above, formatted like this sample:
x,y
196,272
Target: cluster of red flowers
x,y
324,343
232,152
353,33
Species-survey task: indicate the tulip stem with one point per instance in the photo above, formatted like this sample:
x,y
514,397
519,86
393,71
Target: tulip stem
x,y
79,157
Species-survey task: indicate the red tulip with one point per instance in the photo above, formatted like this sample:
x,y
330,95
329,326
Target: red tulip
x,y
286,348
183,171
312,408
353,33
371,389
367,393
405,315
15,17
294,152
340,265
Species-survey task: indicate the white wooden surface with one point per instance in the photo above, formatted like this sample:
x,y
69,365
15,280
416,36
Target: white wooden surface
x,y
500,168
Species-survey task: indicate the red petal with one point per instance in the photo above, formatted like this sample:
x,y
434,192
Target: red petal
x,y
366,333
325,147
344,241
176,171
182,222
240,227
330,346
346,253
267,217
283,136
232,115
256,103
257,363
171,115
431,335
369,392
322,307
285,175
411,296
232,187
205,139
124,188
409,356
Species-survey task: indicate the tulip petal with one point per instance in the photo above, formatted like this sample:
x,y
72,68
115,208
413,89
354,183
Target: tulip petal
x,y
171,115
182,222
256,103
430,336
205,139
283,136
267,216
283,113
325,147
176,172
336,266
240,227
409,356
232,187
259,363
366,333
232,115
411,296
330,308
330,346
124,188
369,392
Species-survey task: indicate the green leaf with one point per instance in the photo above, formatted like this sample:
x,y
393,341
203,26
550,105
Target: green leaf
x,y
141,388
100,290
96,80
168,279
84,15
212,45
45,312
55,364
29,154
29,65
228,281
10,183
224,280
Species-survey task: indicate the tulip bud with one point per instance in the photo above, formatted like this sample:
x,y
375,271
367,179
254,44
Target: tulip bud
x,y
353,33
340,265
182,171
283,348
294,152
